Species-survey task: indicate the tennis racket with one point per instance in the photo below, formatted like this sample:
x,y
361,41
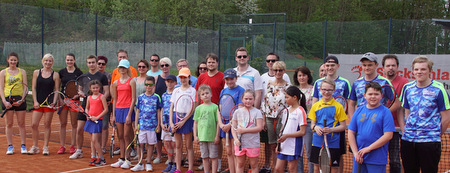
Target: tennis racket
x,y
243,119
325,156
342,101
135,142
54,100
389,95
75,106
282,118
111,153
82,83
183,108
13,98
71,89
358,169
227,106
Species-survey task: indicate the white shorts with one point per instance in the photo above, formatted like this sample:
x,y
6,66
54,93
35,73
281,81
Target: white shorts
x,y
147,137
167,136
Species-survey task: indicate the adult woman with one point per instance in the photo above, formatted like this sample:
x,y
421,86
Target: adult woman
x,y
8,78
71,72
123,92
142,66
160,86
44,82
303,79
201,68
273,98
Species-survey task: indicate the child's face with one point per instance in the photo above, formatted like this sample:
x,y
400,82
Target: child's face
x,y
326,90
95,88
373,97
248,99
231,82
184,80
149,85
290,100
205,95
170,84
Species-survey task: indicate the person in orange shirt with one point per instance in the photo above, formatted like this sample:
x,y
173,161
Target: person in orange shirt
x,y
122,54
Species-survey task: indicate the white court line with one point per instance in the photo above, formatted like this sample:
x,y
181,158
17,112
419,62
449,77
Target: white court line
x,y
39,133
78,170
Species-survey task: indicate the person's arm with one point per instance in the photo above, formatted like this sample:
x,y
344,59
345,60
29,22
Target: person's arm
x,y
342,126
314,100
88,107
114,99
298,133
445,120
353,145
255,129
401,119
2,93
158,115
396,106
387,136
136,120
195,132
351,108
33,88
217,139
133,101
106,88
172,126
57,81
105,107
258,94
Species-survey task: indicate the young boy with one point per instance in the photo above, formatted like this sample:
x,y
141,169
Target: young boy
x,y
369,132
166,135
148,109
205,124
236,91
332,111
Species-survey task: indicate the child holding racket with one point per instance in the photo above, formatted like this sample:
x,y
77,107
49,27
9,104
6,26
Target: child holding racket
x,y
166,134
205,124
182,122
247,122
369,132
294,122
148,109
332,111
96,107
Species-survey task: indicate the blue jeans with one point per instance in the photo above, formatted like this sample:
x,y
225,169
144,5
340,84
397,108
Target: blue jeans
x,y
307,141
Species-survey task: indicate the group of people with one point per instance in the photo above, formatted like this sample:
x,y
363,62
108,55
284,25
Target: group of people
x,y
145,101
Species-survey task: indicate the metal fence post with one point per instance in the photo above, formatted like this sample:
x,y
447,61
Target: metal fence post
x,y
324,40
185,42
274,36
42,32
145,37
389,36
96,34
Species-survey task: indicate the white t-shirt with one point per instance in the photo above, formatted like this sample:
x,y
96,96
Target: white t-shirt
x,y
250,79
177,93
293,146
249,140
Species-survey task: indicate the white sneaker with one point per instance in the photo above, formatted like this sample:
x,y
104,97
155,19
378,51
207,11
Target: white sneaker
x,y
138,167
10,150
167,162
117,164
125,165
45,151
148,167
33,150
23,149
133,153
219,165
76,155
157,161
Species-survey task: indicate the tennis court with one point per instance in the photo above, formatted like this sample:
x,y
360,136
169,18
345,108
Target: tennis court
x,y
61,162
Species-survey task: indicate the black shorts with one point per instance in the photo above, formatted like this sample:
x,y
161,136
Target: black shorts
x,y
343,142
81,116
22,107
334,152
263,136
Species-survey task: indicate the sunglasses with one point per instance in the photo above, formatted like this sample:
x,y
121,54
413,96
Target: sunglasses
x,y
164,65
271,60
142,66
278,70
149,84
101,63
154,60
203,68
243,56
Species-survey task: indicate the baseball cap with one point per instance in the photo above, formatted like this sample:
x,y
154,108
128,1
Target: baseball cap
x,y
124,63
229,73
369,56
171,77
331,59
184,72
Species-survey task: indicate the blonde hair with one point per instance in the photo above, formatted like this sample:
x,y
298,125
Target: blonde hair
x,y
203,88
328,81
279,64
423,59
46,56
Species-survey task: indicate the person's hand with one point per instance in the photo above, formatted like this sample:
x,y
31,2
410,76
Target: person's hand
x,y
7,105
318,130
196,140
282,138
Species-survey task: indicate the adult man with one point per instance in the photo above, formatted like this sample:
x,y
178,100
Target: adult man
x,y
101,64
183,63
122,54
331,66
369,64
322,71
94,74
248,77
154,69
390,68
427,107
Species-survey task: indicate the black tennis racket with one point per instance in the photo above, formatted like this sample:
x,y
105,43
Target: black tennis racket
x,y
82,83
111,153
325,156
342,101
243,119
389,95
227,106
184,106
17,95
282,119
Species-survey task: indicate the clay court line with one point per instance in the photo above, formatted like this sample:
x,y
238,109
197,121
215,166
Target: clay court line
x,y
78,170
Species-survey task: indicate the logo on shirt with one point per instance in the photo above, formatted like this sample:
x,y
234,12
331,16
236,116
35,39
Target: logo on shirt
x,y
364,118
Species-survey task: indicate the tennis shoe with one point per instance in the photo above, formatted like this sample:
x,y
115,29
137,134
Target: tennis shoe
x,y
23,149
157,161
167,162
117,151
189,171
100,162
125,165
61,150
72,149
10,150
133,153
45,151
200,168
177,171
118,163
33,150
148,167
92,162
167,169
76,155
174,169
138,167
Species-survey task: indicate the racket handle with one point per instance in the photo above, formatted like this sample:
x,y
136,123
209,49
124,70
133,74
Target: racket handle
x,y
240,147
358,170
227,136
279,147
4,112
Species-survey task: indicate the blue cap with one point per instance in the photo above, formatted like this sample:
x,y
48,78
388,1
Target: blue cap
x,y
171,77
229,73
124,63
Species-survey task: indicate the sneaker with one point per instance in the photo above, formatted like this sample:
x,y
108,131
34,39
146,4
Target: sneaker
x,y
10,150
104,150
148,167
23,149
185,163
117,151
125,165
76,155
157,161
33,150
189,171
133,153
138,167
264,170
177,171
118,163
226,171
200,168
219,165
72,149
45,151
174,169
167,162
92,162
61,150
100,162
167,169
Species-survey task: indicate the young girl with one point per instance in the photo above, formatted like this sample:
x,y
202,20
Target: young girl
x,y
250,146
184,126
96,107
295,127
